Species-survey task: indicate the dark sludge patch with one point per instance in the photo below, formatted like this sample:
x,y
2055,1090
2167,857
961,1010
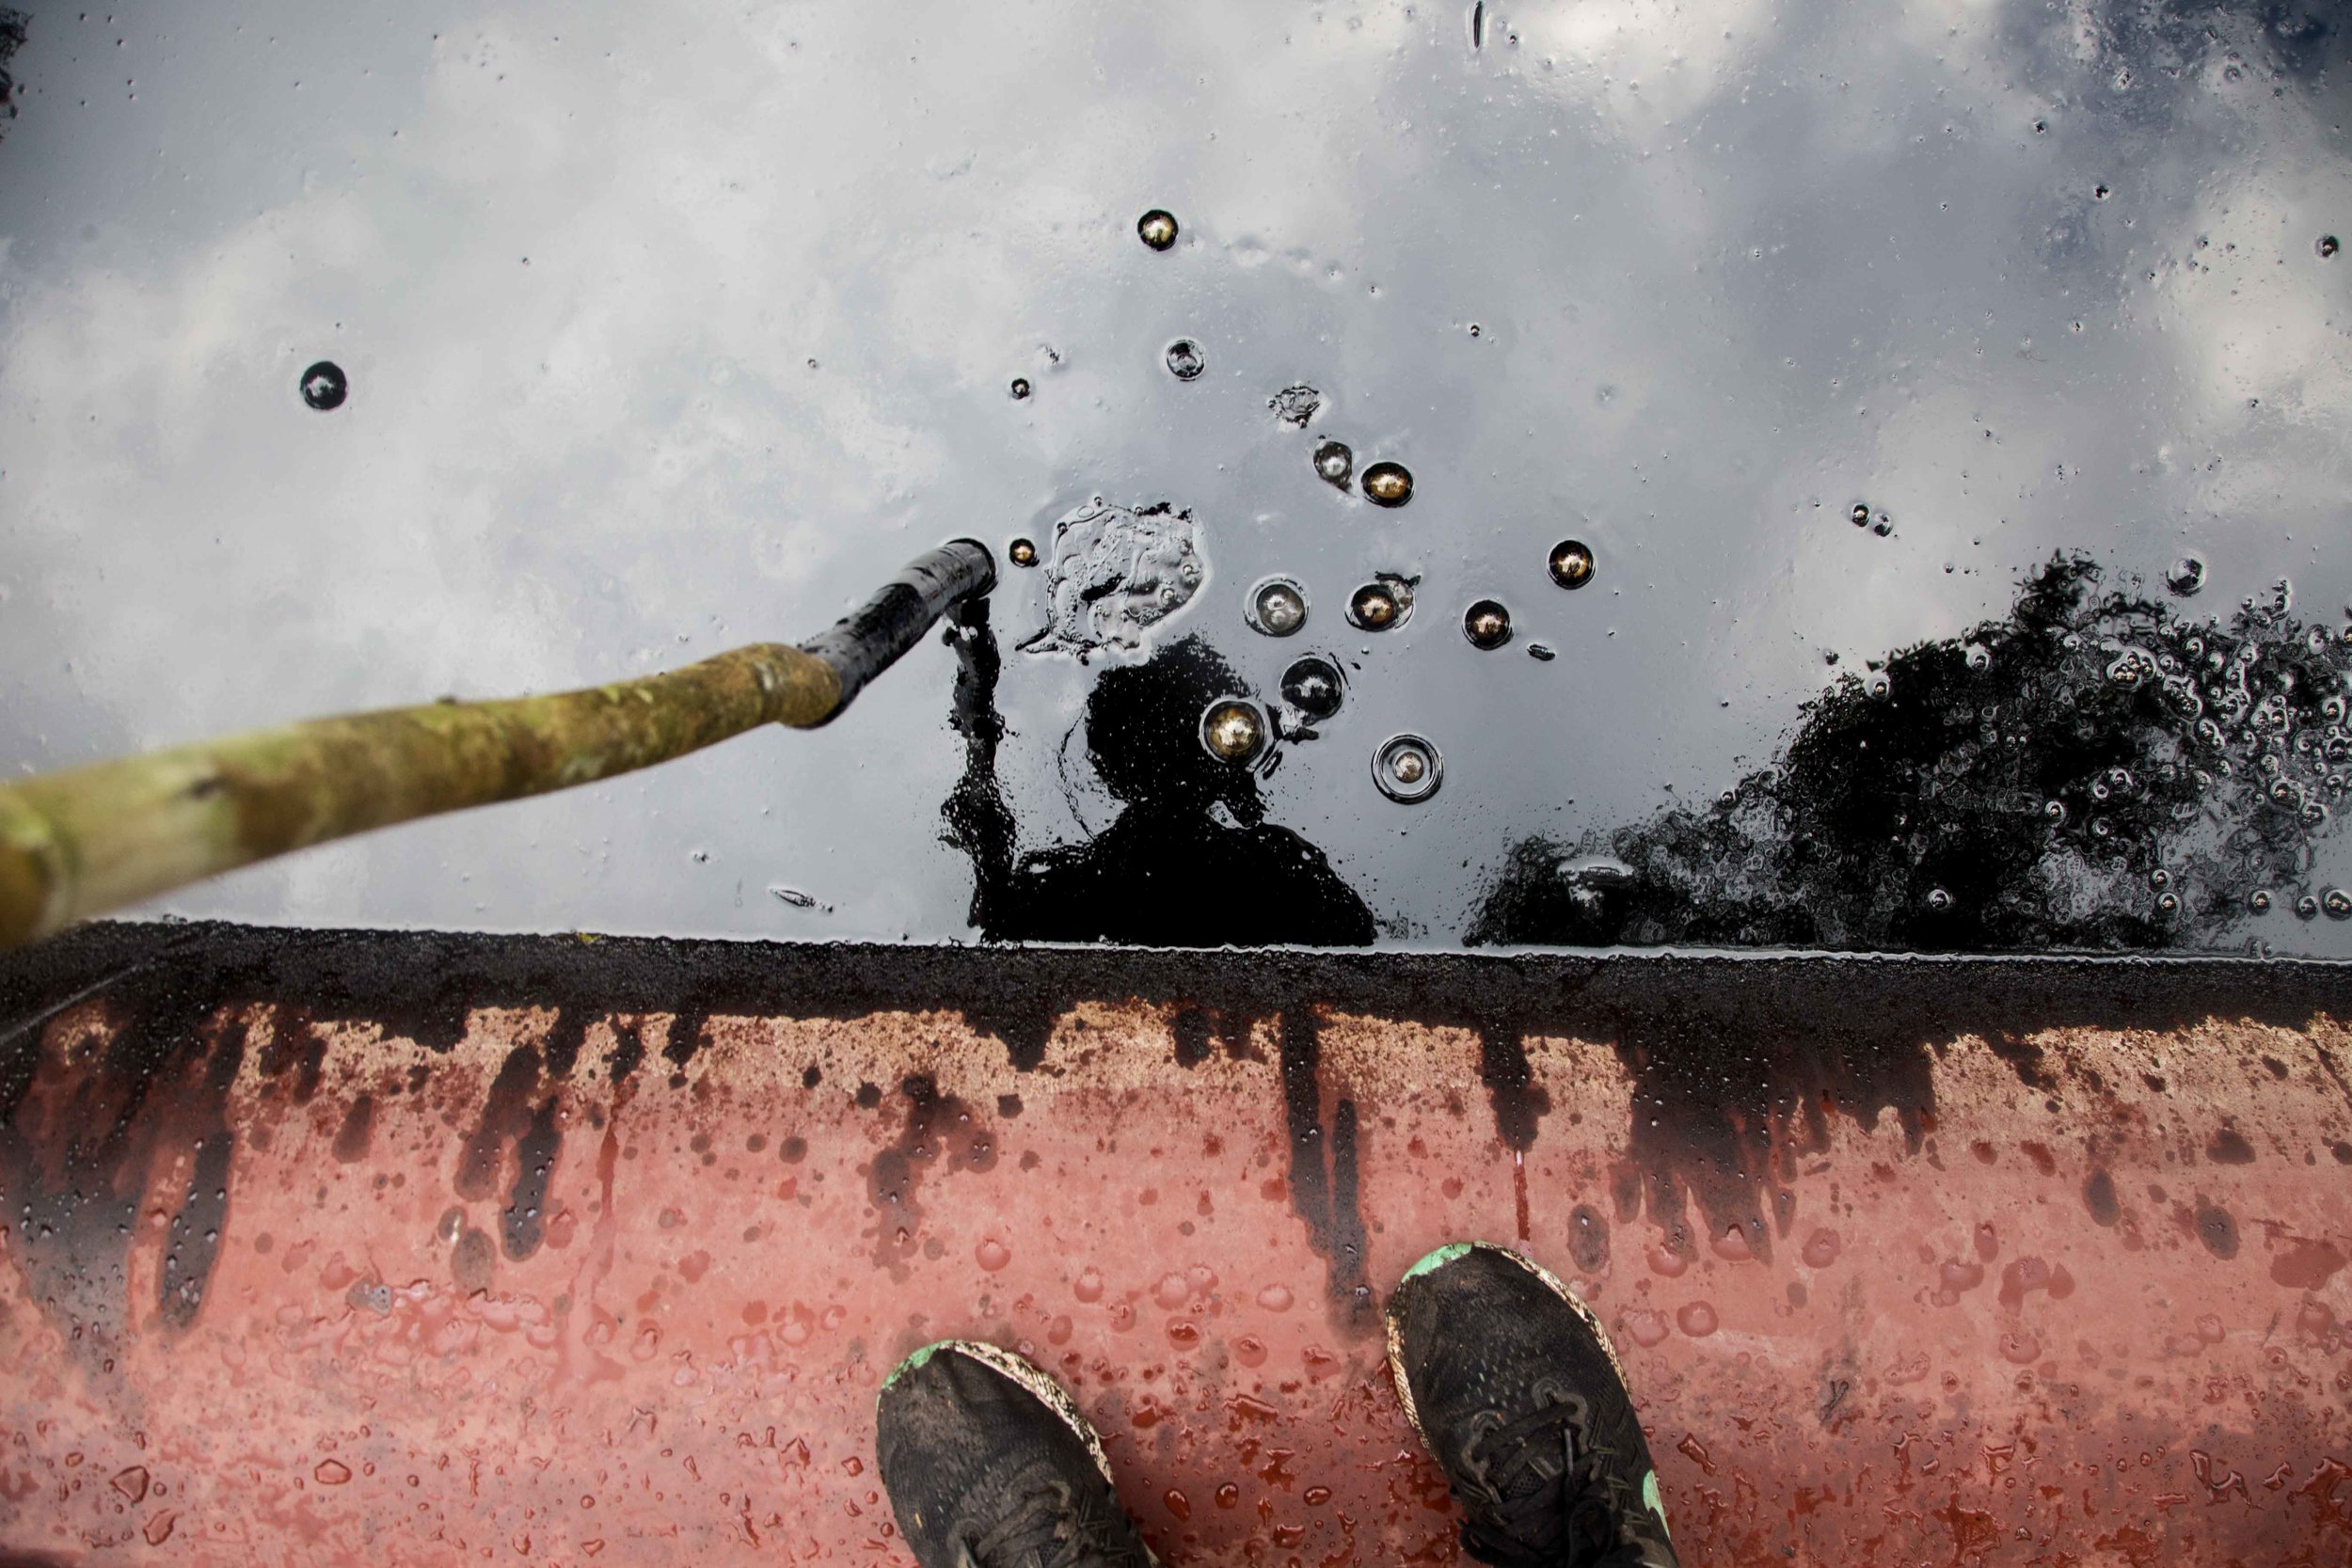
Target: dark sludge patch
x,y
356,1132
505,1115
522,1223
940,1132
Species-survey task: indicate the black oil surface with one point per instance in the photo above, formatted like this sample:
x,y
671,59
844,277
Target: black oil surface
x,y
1929,403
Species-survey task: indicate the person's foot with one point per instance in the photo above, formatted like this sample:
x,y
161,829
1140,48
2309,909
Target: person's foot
x,y
989,1464
1514,1390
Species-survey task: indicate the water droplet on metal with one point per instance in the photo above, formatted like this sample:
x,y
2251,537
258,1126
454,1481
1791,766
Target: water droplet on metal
x,y
1020,388
1407,768
1233,729
1388,484
1021,552
1185,359
1277,607
1571,563
2186,576
1335,463
1487,624
325,386
1313,686
1381,604
1157,229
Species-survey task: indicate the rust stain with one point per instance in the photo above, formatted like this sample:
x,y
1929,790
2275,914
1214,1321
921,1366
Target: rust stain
x,y
1901,1264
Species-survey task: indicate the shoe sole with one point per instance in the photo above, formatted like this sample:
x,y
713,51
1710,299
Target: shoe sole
x,y
1445,1254
1024,1375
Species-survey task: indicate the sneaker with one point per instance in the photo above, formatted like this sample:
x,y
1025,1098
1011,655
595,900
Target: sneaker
x,y
989,1464
1513,1389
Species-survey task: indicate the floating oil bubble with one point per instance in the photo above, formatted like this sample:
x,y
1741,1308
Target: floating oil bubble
x,y
1233,729
1186,361
1314,687
1385,602
1407,767
1487,624
1541,652
1020,388
2259,901
1388,484
2054,810
2337,903
2186,576
2168,904
1939,900
325,386
1861,513
1277,607
1157,229
1335,463
1978,657
2327,246
1021,553
1571,563
1884,526
1296,404
1878,685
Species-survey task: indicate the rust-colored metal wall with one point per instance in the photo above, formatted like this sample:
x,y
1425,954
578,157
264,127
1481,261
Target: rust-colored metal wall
x,y
329,1248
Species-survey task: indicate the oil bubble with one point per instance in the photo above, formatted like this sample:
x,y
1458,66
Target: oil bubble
x,y
1335,463
1384,603
2054,810
2327,246
1878,685
1020,388
1277,607
1021,552
2259,901
1978,657
2306,908
1487,624
2337,903
1186,361
1541,652
1571,563
325,386
1388,484
1939,900
1314,687
1157,229
1407,768
1884,526
1233,729
2168,904
1861,514
2186,576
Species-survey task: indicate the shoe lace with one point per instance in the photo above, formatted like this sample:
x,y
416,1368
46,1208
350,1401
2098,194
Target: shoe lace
x,y
1046,1526
1568,1518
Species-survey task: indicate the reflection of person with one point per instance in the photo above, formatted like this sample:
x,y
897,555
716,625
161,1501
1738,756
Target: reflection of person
x,y
1506,1378
1190,860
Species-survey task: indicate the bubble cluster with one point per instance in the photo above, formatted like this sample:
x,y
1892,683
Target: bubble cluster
x,y
1117,573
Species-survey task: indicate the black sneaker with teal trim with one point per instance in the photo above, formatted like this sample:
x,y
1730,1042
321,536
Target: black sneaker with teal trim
x,y
1514,1390
989,1464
